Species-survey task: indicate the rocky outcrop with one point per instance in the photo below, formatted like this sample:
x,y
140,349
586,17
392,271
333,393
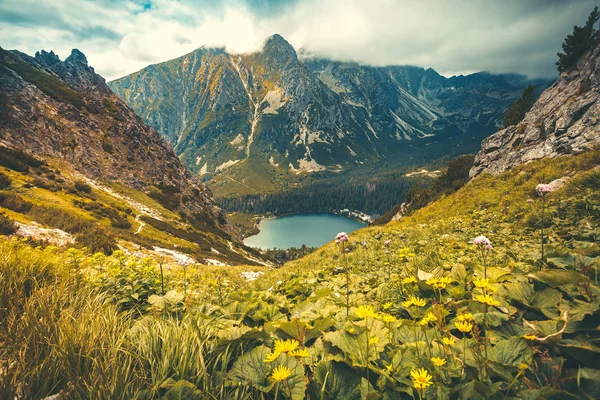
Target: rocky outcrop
x,y
64,111
564,120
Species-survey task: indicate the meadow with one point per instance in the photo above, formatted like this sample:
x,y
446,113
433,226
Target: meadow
x,y
456,301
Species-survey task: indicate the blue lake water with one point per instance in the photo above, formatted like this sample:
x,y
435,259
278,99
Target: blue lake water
x,y
313,230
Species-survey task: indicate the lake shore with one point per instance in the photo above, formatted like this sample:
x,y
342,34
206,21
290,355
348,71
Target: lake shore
x,y
294,230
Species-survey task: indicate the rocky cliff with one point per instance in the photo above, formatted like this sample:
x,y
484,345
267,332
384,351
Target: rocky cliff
x,y
564,120
64,111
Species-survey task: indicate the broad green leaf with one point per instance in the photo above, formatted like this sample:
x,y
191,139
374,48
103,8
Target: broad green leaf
x,y
336,381
511,352
558,277
251,369
374,338
183,390
367,391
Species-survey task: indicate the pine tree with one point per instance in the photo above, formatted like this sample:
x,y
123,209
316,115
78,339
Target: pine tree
x,y
577,43
517,110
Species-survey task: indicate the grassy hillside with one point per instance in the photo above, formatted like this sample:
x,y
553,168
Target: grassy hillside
x,y
56,205
399,311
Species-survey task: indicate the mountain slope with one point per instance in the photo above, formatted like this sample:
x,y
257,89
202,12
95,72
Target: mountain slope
x,y
564,120
63,113
257,121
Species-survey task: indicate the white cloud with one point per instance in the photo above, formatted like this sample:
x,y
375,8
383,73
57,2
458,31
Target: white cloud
x,y
452,37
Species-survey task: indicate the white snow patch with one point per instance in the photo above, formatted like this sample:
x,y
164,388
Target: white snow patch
x,y
372,130
352,152
198,159
251,276
144,209
227,164
204,169
239,139
176,255
212,261
36,232
274,99
272,162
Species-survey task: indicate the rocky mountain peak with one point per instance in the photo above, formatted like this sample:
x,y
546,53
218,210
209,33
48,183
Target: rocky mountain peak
x,y
77,57
278,48
564,120
47,59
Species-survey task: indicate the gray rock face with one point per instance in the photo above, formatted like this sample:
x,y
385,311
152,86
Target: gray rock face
x,y
564,120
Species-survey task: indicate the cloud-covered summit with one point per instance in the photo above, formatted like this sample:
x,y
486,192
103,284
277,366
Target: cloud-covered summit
x,y
122,36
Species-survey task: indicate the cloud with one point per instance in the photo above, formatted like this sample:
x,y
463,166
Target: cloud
x,y
462,36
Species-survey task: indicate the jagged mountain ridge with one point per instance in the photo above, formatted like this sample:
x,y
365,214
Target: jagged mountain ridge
x,y
220,110
63,111
564,120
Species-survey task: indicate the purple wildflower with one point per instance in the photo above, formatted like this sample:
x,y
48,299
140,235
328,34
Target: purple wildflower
x,y
341,237
482,241
544,188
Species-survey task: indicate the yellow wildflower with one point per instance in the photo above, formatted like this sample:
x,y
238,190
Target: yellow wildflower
x,y
439,283
365,312
410,279
388,318
281,373
445,279
387,305
430,317
463,326
530,336
481,283
437,361
299,353
523,366
421,378
432,281
414,301
464,317
449,341
374,340
271,357
351,330
487,299
285,346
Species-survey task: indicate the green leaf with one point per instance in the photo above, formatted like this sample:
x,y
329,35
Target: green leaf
x,y
355,345
183,390
367,391
337,381
511,352
558,277
251,369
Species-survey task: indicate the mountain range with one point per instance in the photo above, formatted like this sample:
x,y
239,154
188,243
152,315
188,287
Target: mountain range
x,y
255,121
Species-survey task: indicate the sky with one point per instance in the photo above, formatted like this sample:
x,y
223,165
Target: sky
x,y
454,37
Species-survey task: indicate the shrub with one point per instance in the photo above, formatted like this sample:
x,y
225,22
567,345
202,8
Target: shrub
x,y
18,160
7,225
82,187
15,203
4,180
97,240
